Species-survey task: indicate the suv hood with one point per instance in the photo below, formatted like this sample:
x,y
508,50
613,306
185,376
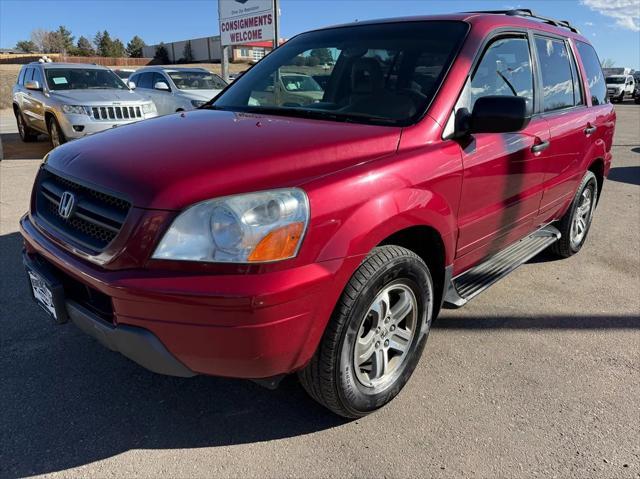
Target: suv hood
x,y
96,97
174,161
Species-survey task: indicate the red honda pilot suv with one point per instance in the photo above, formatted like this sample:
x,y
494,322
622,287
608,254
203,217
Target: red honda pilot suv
x,y
316,215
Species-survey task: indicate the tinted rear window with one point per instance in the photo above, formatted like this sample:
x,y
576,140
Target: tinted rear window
x,y
595,78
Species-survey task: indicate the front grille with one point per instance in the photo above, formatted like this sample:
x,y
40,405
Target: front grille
x,y
116,112
96,218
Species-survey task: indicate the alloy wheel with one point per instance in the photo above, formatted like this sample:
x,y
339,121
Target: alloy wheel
x,y
21,129
55,135
385,336
582,217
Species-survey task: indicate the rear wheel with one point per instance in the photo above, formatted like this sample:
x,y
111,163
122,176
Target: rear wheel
x,y
574,225
55,132
376,335
26,133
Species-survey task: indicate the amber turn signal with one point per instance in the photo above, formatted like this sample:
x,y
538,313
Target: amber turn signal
x,y
278,244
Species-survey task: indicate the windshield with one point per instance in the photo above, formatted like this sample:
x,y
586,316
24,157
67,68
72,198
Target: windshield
x,y
384,73
123,74
615,80
82,79
197,80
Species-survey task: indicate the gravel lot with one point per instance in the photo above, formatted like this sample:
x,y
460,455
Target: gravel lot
x,y
538,376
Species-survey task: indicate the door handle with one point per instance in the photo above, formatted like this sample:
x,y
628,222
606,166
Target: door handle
x,y
590,129
538,147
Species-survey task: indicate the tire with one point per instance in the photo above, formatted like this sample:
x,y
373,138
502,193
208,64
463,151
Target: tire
x,y
55,132
26,134
335,376
573,236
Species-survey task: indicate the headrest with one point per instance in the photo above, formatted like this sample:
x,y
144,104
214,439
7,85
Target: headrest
x,y
366,76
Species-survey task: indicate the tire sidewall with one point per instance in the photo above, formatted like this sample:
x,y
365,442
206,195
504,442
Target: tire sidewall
x,y
356,397
588,182
53,123
21,131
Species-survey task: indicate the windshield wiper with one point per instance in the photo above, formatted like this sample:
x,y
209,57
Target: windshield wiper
x,y
312,114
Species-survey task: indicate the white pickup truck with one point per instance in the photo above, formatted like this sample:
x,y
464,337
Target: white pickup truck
x,y
620,86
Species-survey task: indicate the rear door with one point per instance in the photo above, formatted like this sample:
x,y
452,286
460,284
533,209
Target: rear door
x,y
37,99
162,98
563,106
601,113
29,104
503,176
144,86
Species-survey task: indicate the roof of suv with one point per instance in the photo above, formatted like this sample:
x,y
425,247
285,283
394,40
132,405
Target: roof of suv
x,y
69,65
491,19
172,69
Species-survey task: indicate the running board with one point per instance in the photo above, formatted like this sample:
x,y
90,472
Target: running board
x,y
474,281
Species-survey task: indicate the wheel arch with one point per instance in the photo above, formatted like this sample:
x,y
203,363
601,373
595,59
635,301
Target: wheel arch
x,y
47,116
597,168
427,243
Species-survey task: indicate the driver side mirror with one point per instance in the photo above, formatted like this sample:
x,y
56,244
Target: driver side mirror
x,y
493,114
162,86
33,85
131,85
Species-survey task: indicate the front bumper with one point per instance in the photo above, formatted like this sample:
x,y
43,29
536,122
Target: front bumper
x,y
246,326
71,123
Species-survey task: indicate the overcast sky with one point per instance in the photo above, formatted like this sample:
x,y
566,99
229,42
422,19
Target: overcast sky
x,y
613,26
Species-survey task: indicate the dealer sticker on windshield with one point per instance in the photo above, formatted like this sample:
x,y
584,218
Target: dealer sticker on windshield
x,y
60,80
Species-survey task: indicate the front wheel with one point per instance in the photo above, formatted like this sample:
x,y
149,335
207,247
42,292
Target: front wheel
x,y
574,225
55,132
376,335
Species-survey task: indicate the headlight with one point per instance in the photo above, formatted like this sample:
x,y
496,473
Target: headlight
x,y
76,109
198,103
148,108
251,228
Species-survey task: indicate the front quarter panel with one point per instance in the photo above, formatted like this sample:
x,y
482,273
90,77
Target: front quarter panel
x,y
355,210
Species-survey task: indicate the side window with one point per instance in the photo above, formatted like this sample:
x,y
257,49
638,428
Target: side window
x,y
21,76
505,70
145,80
37,76
28,74
595,78
557,80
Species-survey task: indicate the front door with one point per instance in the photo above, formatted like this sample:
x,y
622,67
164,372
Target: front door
x,y
503,172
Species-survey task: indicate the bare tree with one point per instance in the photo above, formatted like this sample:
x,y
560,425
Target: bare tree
x,y
40,39
608,63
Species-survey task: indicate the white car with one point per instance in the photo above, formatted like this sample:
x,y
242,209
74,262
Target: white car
x,y
620,86
176,89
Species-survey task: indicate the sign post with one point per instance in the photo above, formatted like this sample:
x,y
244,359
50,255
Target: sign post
x,y
243,22
276,23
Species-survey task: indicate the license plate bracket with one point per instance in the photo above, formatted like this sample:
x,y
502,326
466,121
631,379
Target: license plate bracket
x,y
46,290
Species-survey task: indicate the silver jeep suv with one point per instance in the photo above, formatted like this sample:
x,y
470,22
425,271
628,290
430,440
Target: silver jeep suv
x,y
68,101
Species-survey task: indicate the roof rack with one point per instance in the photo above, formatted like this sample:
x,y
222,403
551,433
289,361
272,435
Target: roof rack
x,y
526,12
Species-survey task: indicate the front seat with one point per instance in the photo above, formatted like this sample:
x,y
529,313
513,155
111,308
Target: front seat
x,y
369,96
366,79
